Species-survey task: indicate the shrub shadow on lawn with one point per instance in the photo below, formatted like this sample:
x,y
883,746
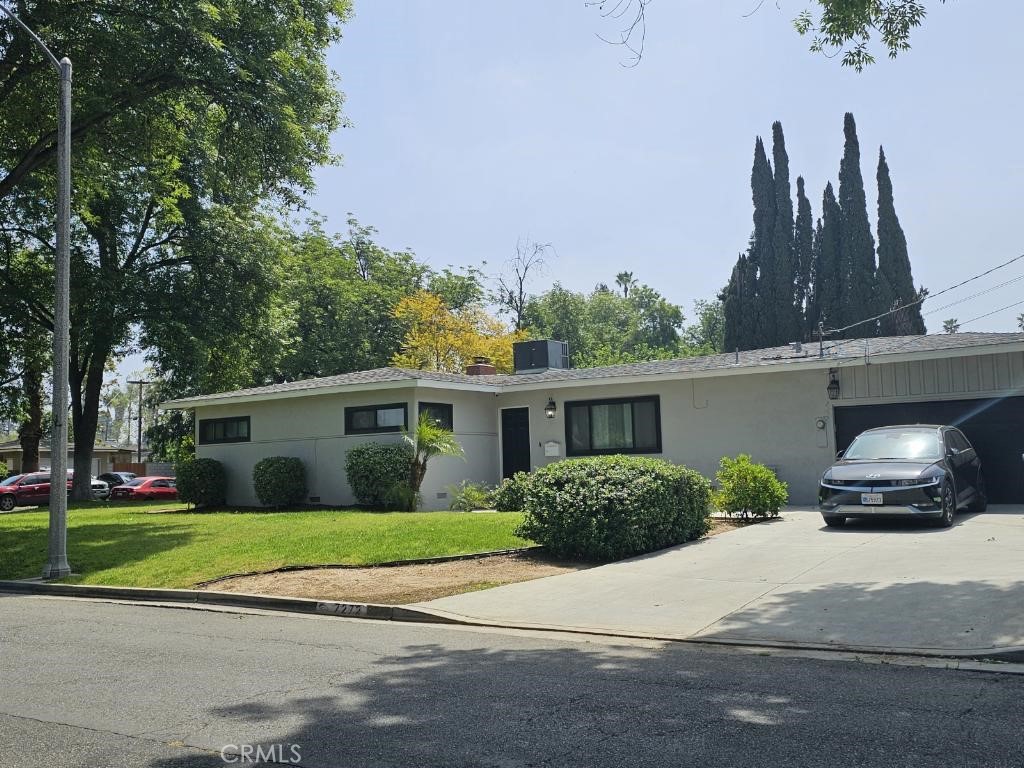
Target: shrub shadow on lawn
x,y
91,548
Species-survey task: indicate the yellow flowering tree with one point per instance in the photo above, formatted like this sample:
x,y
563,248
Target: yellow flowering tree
x,y
441,339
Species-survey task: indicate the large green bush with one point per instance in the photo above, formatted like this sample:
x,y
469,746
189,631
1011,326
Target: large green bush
x,y
611,507
3,470
201,482
279,481
510,495
748,489
379,473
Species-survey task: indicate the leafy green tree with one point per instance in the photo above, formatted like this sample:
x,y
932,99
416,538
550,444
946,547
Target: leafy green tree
x,y
787,313
706,336
257,67
188,117
458,289
1020,321
952,325
803,256
857,245
895,281
843,26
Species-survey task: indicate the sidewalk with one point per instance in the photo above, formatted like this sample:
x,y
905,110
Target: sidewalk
x,y
892,586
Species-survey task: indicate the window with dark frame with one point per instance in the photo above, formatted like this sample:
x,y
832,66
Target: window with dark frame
x,y
440,413
364,419
230,430
616,425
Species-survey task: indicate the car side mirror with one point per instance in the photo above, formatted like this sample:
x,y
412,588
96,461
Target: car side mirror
x,y
839,454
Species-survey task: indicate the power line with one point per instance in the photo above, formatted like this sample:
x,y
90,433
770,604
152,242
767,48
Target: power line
x,y
975,295
993,312
902,307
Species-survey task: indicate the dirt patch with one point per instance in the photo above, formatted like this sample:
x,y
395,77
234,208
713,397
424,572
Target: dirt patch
x,y
403,584
400,584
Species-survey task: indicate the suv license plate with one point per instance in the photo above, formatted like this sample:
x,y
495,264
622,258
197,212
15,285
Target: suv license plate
x,y
871,498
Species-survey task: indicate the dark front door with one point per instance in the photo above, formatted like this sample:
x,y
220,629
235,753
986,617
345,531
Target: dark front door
x,y
994,427
515,441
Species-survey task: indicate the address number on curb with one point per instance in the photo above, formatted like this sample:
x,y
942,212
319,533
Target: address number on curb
x,y
342,609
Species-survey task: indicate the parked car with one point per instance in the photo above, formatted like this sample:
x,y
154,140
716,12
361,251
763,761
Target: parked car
x,y
925,471
33,488
157,488
114,479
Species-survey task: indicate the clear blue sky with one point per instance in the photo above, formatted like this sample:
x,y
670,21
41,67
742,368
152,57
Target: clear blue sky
x,y
475,123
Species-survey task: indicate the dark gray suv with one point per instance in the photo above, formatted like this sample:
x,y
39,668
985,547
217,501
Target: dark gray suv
x,y
926,471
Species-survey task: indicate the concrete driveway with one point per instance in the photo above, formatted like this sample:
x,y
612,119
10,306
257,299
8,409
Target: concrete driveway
x,y
892,585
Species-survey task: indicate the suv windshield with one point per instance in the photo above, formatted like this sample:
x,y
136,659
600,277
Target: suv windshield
x,y
898,444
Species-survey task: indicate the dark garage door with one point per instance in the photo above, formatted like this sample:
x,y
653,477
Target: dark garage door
x,y
994,427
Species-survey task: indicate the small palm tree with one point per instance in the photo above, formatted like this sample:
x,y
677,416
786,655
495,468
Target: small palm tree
x,y
429,440
626,283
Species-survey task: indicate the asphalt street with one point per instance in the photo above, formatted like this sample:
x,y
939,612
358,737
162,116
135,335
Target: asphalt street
x,y
98,685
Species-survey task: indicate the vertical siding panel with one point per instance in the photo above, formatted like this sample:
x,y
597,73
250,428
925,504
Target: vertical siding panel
x,y
957,378
1017,369
930,373
914,380
987,372
901,377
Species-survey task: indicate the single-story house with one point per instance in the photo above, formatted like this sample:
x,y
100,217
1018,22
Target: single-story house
x,y
104,456
789,407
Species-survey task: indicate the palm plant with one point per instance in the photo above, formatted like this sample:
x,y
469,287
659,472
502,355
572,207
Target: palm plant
x,y
429,439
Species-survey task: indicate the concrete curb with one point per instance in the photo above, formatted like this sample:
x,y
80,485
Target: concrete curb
x,y
230,599
1011,655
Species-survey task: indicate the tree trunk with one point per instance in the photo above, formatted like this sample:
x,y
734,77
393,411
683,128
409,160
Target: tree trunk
x,y
85,403
30,432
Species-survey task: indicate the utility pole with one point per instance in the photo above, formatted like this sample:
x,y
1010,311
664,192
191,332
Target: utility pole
x,y
57,563
141,384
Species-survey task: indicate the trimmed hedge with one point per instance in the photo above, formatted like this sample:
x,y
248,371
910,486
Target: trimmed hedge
x,y
201,482
510,495
378,473
612,507
279,481
748,489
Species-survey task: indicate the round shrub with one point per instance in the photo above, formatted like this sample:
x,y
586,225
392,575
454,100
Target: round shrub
x,y
468,496
748,489
375,470
201,482
611,507
510,495
279,481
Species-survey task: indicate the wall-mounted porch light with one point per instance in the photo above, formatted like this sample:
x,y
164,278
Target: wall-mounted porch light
x,y
551,408
833,386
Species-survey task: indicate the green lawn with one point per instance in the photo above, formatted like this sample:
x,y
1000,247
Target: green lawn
x,y
123,545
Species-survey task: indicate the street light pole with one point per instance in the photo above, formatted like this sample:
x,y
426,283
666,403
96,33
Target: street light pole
x,y
57,563
141,384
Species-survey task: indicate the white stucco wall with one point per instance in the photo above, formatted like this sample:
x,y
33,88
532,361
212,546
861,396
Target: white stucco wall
x,y
313,429
771,416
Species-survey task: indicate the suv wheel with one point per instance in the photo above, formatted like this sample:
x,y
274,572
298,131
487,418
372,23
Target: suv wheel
x,y
948,505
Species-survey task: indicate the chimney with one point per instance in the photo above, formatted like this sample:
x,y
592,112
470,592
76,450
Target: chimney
x,y
481,366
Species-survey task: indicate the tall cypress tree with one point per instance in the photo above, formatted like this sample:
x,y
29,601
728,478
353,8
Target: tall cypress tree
x,y
824,304
895,281
787,321
857,246
803,255
760,255
737,303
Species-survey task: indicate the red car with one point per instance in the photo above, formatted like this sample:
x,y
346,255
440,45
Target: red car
x,y
33,489
158,488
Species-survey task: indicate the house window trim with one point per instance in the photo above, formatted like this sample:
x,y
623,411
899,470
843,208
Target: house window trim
x,y
450,426
570,404
223,441
376,430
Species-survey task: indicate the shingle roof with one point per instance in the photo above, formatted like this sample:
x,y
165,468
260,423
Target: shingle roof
x,y
752,360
